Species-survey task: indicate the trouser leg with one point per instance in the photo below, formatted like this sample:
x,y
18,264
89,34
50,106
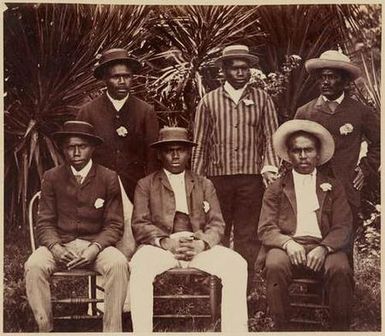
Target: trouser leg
x,y
38,270
113,265
247,207
231,268
145,265
224,188
339,286
278,273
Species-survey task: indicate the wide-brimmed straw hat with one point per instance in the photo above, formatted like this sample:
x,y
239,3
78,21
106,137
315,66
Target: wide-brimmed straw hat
x,y
289,127
78,128
333,59
236,51
173,134
112,56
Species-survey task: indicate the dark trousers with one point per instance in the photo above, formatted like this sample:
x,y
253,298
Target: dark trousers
x,y
338,280
240,198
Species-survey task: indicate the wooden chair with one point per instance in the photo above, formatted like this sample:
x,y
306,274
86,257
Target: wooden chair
x,y
308,302
213,296
91,300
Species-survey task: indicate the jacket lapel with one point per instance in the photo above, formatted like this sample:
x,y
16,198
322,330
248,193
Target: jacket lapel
x,y
288,189
90,176
189,182
164,180
321,195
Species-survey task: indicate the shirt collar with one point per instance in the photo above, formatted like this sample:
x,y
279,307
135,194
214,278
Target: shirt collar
x,y
301,176
231,90
338,100
118,104
84,171
172,175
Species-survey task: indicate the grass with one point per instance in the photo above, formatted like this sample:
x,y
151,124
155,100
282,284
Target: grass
x,y
18,315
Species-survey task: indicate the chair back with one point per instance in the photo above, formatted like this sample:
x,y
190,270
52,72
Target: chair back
x,y
32,215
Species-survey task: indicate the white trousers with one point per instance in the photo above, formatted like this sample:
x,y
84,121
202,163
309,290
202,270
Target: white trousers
x,y
110,262
228,265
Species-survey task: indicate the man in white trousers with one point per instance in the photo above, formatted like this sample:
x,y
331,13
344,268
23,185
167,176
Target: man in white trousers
x,y
177,222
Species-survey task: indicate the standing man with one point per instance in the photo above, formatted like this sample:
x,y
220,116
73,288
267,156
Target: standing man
x,y
127,124
80,220
178,222
306,224
348,120
233,129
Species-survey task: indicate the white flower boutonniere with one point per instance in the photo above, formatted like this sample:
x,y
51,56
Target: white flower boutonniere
x,y
326,186
346,129
206,206
99,203
122,131
248,102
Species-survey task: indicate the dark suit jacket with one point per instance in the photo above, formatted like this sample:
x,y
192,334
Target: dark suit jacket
x,y
154,208
130,156
365,124
278,219
67,210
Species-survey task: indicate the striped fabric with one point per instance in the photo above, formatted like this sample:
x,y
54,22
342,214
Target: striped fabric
x,y
234,138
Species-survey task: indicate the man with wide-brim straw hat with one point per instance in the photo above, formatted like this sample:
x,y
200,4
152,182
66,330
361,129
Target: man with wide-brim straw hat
x,y
127,124
348,120
306,225
177,222
233,128
79,223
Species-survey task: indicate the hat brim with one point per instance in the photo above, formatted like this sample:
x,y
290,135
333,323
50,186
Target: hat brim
x,y
131,62
315,64
252,59
163,142
285,130
59,136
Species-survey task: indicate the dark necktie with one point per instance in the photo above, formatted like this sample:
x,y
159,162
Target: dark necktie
x,y
79,179
332,105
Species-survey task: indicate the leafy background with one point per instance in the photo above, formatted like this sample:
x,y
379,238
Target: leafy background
x,y
49,54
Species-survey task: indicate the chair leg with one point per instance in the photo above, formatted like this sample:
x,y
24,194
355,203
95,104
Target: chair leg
x,y
93,293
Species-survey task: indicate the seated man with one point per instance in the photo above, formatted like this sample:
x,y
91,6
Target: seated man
x,y
178,221
80,219
306,224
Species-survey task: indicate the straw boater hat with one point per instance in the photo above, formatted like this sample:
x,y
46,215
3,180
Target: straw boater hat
x,y
289,127
172,134
236,51
78,128
335,60
113,56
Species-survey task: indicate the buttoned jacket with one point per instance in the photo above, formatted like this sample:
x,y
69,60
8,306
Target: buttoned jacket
x,y
365,125
154,208
69,210
278,219
129,155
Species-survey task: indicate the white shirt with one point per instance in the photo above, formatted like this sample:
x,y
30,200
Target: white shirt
x,y
307,204
338,100
235,94
82,172
118,104
177,182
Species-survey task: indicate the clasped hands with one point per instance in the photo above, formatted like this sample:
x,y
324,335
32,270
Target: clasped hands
x,y
65,257
313,260
184,248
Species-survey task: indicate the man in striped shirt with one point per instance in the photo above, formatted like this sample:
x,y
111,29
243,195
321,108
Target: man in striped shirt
x,y
233,129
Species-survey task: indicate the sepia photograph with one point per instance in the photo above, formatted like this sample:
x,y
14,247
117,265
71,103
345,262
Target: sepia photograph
x,y
191,168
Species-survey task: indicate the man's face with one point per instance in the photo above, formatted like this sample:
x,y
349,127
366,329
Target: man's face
x,y
118,79
332,83
303,154
174,157
78,151
237,72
